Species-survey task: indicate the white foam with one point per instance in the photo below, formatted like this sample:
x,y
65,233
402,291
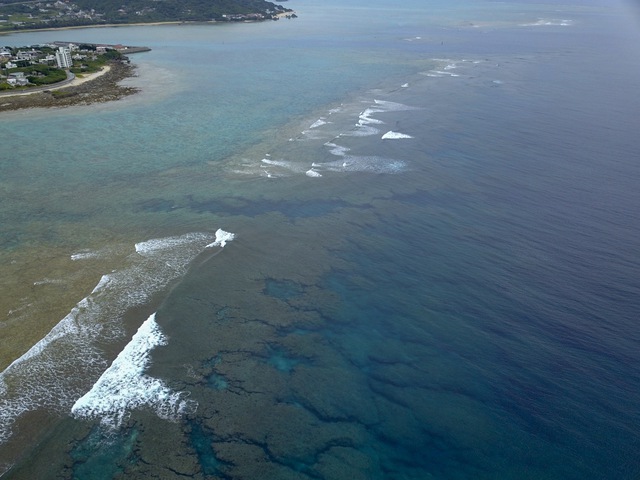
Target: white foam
x,y
365,117
49,281
285,165
64,327
104,281
445,68
445,74
337,149
85,255
390,135
542,22
222,238
361,131
312,173
64,364
124,386
367,122
156,245
404,85
279,163
318,123
388,106
310,134
354,163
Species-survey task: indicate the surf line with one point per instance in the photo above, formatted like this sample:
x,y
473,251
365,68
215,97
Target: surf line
x,y
124,386
221,240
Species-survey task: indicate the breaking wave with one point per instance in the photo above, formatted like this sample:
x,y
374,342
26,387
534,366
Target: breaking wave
x,y
63,365
124,386
391,135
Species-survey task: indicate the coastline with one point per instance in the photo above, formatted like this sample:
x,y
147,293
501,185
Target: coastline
x,y
96,87
102,25
74,82
137,24
85,78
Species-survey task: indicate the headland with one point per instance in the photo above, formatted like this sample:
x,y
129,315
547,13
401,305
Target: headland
x,y
91,75
102,86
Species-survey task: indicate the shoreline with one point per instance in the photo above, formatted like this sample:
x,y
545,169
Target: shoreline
x,y
97,87
104,25
137,24
74,82
85,78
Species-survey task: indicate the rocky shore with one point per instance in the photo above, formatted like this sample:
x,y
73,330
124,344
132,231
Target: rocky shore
x,y
104,88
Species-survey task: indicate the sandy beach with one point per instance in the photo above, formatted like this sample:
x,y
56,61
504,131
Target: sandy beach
x,y
79,80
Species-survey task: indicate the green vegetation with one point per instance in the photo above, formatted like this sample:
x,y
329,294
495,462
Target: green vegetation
x,y
39,74
36,75
34,14
150,10
43,74
90,65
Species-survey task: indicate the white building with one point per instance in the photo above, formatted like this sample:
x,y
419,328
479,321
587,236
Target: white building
x,y
63,58
28,56
17,79
47,59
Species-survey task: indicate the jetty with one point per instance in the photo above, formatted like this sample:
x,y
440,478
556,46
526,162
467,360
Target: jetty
x,y
125,49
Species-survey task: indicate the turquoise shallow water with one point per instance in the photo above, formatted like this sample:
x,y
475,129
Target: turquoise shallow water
x,y
454,300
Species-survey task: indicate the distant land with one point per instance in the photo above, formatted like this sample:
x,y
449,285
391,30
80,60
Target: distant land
x,y
29,15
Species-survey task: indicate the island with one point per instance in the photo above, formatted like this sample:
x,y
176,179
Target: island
x,y
24,15
63,74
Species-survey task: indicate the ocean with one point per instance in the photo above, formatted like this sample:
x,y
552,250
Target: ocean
x,y
377,241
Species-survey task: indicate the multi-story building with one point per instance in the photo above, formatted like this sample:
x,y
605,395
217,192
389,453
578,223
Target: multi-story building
x,y
63,57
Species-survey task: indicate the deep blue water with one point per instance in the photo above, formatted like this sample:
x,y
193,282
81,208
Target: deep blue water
x,y
459,303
